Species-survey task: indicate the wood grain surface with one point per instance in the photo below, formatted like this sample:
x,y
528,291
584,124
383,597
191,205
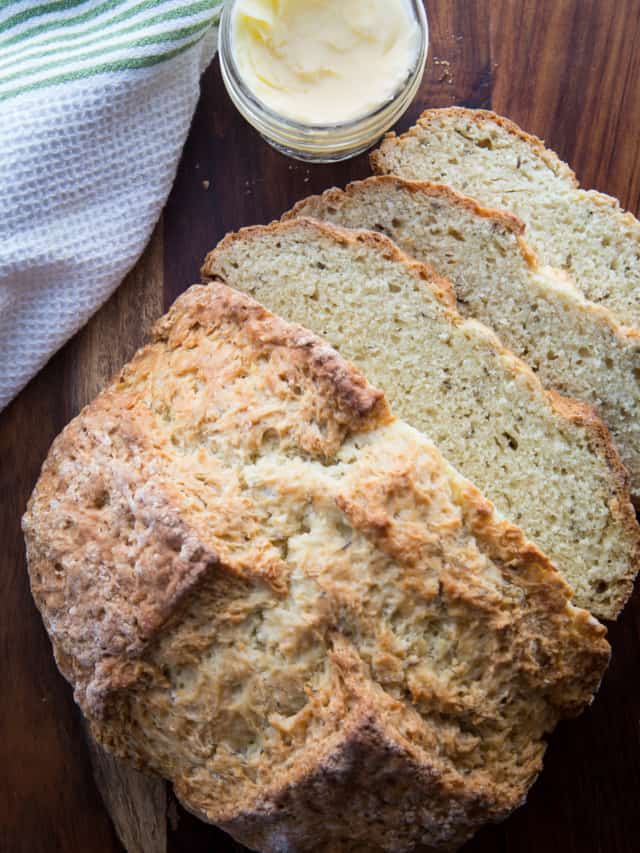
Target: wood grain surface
x,y
567,70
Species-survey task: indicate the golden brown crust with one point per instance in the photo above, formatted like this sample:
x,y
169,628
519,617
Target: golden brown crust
x,y
557,166
345,782
99,476
337,377
318,810
95,625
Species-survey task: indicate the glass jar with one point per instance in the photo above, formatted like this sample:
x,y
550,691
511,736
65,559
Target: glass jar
x,y
320,143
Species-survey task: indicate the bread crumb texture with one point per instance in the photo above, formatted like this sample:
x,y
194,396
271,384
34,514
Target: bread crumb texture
x,y
491,159
574,345
547,463
267,590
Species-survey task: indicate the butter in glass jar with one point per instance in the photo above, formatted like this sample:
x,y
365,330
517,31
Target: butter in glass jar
x,y
323,79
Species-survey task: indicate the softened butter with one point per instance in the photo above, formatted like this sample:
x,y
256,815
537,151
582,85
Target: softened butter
x,y
324,61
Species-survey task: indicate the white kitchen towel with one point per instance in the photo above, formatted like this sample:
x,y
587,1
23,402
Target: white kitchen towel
x,y
96,99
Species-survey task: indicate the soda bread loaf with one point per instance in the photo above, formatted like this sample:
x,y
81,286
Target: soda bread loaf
x,y
490,158
547,463
574,345
267,590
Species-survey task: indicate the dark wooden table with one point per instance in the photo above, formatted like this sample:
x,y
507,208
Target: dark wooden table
x,y
567,70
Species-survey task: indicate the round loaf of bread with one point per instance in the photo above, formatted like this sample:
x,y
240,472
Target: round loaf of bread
x,y
269,591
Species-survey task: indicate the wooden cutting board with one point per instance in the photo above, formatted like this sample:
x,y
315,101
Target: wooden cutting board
x,y
567,70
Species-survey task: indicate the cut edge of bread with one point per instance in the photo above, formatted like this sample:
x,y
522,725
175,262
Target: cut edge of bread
x,y
549,157
508,220
577,411
546,155
441,287
503,218
560,169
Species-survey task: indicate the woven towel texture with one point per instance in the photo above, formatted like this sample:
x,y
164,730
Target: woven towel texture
x,y
86,165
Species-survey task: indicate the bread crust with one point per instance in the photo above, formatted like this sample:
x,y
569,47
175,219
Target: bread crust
x,y
578,412
358,400
98,641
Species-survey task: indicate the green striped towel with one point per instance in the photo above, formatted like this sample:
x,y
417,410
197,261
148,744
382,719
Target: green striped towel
x,y
96,99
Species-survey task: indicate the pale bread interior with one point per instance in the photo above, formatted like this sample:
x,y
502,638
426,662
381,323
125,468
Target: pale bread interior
x,y
484,156
575,346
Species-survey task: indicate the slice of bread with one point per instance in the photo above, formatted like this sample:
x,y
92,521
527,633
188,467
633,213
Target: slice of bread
x,y
267,590
490,158
574,345
547,463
